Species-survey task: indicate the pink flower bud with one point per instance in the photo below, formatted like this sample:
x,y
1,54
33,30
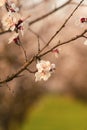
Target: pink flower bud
x,y
56,52
83,20
16,40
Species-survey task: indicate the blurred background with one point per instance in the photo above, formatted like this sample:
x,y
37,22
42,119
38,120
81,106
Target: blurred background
x,y
61,102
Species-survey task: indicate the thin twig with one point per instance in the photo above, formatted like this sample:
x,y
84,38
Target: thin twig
x,y
42,17
49,13
28,62
38,45
62,26
19,71
37,35
23,68
71,40
85,36
75,3
24,51
30,71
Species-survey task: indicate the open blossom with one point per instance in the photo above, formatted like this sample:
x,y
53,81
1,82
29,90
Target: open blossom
x,y
9,20
12,7
15,9
45,68
2,2
14,37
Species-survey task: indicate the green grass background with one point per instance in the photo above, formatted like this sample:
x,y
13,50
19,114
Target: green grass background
x,y
57,113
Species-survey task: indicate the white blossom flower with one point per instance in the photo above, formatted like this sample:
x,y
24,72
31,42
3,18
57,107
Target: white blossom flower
x,y
9,20
45,68
43,65
14,37
42,75
12,7
2,2
85,43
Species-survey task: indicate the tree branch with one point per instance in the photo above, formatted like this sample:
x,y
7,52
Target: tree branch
x,y
63,43
49,13
23,68
3,32
42,17
75,3
20,70
28,62
62,26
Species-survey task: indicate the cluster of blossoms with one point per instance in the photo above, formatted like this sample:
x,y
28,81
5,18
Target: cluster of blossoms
x,y
12,20
44,70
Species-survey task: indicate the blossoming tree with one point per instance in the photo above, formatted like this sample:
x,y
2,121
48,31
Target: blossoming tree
x,y
14,23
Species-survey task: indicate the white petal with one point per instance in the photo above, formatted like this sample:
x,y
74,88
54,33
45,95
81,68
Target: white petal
x,y
38,66
85,43
12,28
38,76
45,77
45,65
53,66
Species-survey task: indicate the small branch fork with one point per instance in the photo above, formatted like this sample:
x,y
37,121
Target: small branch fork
x,y
24,67
21,69
28,62
63,43
63,25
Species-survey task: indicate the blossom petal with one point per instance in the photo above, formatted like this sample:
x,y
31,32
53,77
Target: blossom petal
x,y
85,43
45,68
38,76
